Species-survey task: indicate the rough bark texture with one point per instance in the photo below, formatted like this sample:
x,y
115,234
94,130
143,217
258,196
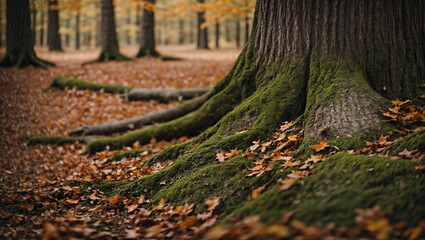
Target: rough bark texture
x,y
202,40
110,50
246,29
34,25
42,27
238,32
147,33
53,36
19,47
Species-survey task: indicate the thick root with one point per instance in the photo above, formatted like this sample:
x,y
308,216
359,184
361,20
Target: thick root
x,y
109,55
24,59
136,122
130,153
164,95
63,82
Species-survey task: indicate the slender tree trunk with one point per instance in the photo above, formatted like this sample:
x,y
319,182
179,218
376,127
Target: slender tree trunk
x,y
217,35
68,34
202,32
128,37
42,27
181,31
110,50
147,30
1,24
138,24
53,36
227,31
34,24
191,31
77,30
238,32
19,47
246,29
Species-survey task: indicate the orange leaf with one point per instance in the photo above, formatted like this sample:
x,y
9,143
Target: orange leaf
x,y
256,193
319,147
115,200
221,157
287,184
212,203
160,205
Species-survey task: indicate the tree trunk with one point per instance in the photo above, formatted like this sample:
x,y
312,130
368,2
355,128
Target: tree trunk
x,y
19,47
336,72
34,25
128,37
77,30
147,31
138,24
227,31
191,31
202,40
181,32
217,35
42,27
1,24
238,32
246,29
110,50
68,34
53,36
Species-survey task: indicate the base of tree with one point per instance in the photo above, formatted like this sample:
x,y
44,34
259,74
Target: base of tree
x,y
24,59
110,54
151,52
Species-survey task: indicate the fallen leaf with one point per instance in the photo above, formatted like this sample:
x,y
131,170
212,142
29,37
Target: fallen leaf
x,y
319,147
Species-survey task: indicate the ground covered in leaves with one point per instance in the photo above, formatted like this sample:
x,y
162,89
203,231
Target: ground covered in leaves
x,y
48,192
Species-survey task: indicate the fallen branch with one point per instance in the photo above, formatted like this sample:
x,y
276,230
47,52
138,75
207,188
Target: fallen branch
x,y
59,140
163,94
63,82
136,122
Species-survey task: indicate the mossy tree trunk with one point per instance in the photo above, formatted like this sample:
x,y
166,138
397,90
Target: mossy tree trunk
x,y
53,36
202,40
147,34
19,47
328,64
110,50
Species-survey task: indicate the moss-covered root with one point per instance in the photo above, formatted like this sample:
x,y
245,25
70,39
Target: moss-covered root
x,y
63,82
343,183
59,140
110,54
126,154
26,58
415,141
163,95
151,52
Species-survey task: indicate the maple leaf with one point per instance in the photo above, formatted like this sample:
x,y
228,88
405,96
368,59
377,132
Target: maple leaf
x,y
153,231
286,184
255,146
131,208
256,193
212,203
289,164
160,205
233,153
189,222
319,147
131,233
286,126
221,157
406,153
298,174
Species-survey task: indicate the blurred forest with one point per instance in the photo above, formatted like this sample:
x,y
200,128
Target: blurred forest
x,y
227,22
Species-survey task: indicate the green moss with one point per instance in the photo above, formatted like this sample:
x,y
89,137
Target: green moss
x,y
25,58
109,54
59,140
109,188
343,183
415,141
118,156
63,82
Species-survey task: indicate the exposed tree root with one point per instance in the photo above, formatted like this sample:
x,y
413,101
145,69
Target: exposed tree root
x,y
136,122
26,58
63,82
110,54
59,140
164,95
149,52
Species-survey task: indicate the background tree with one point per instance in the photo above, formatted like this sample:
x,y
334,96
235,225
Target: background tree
x,y
19,47
202,39
53,36
110,49
147,31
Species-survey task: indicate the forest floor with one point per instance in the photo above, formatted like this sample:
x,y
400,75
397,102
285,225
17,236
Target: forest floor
x,y
42,187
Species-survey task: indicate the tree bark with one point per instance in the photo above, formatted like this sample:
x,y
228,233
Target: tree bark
x,y
42,27
163,95
19,47
217,35
332,64
53,36
246,29
147,32
191,31
68,34
238,32
77,30
110,49
181,32
1,24
34,25
202,40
